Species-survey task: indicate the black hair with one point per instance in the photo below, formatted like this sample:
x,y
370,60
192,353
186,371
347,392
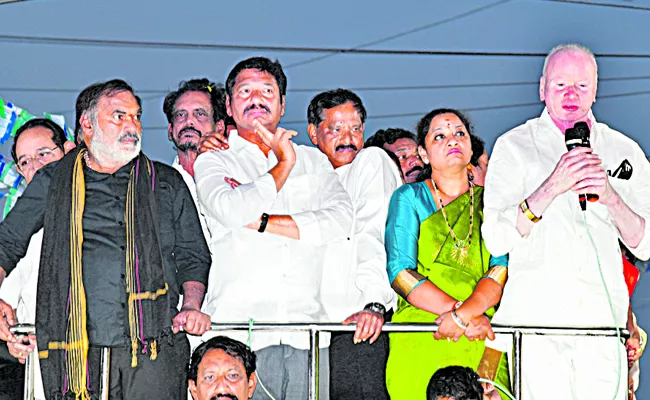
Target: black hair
x,y
330,99
395,160
217,94
58,134
478,148
388,136
233,348
262,64
90,96
459,383
422,130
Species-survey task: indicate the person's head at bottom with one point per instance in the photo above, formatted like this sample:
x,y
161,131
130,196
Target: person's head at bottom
x,y
455,383
222,368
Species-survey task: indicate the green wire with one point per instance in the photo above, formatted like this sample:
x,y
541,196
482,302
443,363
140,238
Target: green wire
x,y
611,305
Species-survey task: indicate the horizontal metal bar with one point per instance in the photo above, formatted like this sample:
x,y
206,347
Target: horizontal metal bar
x,y
392,327
421,327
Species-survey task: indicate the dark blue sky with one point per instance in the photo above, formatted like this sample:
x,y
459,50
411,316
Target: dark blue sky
x,y
45,76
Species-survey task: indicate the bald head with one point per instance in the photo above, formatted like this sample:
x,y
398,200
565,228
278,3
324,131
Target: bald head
x,y
568,84
569,47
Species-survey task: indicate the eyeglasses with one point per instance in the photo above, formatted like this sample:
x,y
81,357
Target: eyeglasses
x,y
181,116
43,157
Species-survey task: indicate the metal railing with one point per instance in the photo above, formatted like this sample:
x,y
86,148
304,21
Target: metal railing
x,y
314,330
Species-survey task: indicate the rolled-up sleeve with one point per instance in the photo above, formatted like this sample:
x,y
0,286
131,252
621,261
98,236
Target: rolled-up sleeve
x,y
504,190
638,200
191,252
24,220
333,219
232,208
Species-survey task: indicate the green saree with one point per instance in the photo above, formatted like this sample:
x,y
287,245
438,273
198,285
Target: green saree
x,y
414,357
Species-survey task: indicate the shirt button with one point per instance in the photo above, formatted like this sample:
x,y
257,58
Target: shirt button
x,y
123,276
121,223
122,248
117,197
123,305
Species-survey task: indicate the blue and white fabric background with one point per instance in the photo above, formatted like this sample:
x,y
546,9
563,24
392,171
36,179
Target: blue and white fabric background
x,y
12,184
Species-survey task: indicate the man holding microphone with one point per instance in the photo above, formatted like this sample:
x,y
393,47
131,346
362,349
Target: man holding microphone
x,y
565,265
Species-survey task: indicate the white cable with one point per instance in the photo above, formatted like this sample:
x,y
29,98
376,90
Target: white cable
x,y
611,307
496,385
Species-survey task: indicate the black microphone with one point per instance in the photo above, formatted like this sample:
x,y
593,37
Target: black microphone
x,y
578,136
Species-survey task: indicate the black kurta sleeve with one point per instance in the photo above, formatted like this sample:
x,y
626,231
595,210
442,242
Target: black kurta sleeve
x,y
191,251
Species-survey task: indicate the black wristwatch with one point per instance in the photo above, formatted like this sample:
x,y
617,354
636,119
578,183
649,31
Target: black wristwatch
x,y
376,307
265,220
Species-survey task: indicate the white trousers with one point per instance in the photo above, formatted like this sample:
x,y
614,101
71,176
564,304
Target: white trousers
x,y
573,368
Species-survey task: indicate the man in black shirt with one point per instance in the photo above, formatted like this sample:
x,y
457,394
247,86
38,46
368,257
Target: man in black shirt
x,y
121,240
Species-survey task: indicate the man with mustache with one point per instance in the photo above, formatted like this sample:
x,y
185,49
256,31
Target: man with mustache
x,y
565,262
222,368
271,207
401,143
194,110
121,239
355,286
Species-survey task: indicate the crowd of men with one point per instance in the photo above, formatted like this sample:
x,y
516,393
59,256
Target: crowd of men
x,y
107,248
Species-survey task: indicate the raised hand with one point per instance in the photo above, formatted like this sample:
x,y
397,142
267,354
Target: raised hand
x,y
575,166
279,142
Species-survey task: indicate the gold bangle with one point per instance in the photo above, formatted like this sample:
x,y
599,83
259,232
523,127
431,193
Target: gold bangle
x,y
524,208
498,273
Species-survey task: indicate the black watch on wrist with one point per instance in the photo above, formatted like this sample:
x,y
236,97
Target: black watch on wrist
x,y
376,307
265,220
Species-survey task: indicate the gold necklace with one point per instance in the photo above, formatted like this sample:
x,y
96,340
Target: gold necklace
x,y
461,247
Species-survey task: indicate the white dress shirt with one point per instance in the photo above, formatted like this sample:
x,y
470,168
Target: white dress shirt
x,y
267,277
189,181
355,266
553,275
19,290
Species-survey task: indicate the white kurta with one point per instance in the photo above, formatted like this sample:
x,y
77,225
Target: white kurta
x,y
19,290
267,277
355,267
553,273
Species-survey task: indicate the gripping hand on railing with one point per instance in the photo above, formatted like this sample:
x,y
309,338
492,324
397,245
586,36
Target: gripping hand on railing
x,y
479,328
7,319
369,324
22,347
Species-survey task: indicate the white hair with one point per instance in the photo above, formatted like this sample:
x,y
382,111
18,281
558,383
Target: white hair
x,y
569,47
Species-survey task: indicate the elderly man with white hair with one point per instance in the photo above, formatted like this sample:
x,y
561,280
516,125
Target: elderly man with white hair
x,y
565,266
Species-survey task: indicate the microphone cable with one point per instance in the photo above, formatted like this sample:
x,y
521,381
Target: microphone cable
x,y
611,305
248,342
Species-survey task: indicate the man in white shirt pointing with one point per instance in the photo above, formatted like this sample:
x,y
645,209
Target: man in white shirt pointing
x,y
271,208
561,257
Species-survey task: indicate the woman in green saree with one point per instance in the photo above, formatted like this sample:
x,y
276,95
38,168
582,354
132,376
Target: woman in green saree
x,y
438,263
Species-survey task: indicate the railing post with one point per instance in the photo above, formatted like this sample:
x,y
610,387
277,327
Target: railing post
x,y
29,376
516,386
105,361
312,368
